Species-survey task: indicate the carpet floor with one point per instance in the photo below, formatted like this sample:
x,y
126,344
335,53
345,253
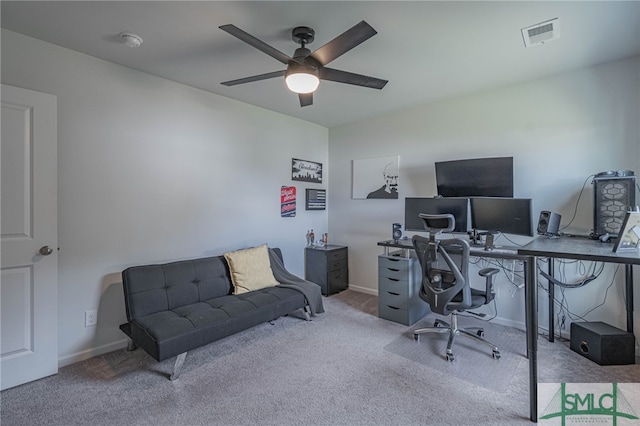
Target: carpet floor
x,y
484,370
342,368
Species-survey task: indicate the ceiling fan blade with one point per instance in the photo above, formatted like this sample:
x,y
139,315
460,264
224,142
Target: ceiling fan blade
x,y
351,78
344,42
258,44
306,99
254,78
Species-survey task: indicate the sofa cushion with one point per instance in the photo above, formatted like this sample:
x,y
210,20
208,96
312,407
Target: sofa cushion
x,y
156,288
250,269
166,334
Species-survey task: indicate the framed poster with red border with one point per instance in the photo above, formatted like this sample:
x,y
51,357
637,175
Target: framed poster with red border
x,y
288,201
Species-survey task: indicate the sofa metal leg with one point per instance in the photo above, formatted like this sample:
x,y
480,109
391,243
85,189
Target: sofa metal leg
x,y
130,345
178,366
307,313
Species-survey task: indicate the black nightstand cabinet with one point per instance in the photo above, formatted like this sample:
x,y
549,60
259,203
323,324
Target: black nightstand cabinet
x,y
327,267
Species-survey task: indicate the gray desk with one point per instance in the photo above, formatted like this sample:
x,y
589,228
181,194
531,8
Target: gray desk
x,y
553,248
565,248
498,252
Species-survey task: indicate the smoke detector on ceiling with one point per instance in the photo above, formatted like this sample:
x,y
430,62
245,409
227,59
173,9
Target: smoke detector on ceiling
x,y
541,33
131,39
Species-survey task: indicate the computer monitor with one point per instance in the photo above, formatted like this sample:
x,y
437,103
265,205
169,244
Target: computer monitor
x,y
457,206
506,215
476,177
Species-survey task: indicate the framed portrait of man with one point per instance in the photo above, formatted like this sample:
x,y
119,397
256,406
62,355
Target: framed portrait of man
x,y
375,178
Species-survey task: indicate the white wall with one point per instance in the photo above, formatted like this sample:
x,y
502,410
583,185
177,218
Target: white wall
x,y
153,171
560,130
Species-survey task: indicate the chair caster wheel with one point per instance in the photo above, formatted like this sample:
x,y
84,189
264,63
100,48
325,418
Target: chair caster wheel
x,y
496,355
449,357
416,337
480,333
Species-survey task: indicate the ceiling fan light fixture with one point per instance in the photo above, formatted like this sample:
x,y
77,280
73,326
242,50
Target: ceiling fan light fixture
x,y
301,79
305,69
302,82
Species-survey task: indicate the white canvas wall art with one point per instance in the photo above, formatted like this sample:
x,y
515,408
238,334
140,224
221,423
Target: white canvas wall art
x,y
375,178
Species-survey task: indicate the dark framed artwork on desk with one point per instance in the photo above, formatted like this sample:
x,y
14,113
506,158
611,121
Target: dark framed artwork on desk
x,y
629,237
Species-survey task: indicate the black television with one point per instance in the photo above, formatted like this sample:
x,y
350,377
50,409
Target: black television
x,y
479,177
457,206
506,215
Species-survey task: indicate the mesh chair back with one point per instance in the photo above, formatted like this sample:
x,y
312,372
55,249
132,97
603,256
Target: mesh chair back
x,y
445,282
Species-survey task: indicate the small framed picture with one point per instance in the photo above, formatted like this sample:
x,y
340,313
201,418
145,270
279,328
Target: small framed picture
x,y
316,199
287,201
306,171
629,238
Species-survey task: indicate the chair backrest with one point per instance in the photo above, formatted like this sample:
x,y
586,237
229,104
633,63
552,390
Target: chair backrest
x,y
445,278
436,223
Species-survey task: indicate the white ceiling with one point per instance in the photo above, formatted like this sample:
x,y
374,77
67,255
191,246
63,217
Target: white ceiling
x,y
428,50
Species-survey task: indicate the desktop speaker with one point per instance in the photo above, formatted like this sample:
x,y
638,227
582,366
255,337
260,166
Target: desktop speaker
x,y
603,343
613,196
396,231
549,223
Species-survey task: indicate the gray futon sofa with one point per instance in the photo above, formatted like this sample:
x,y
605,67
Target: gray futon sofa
x,y
175,307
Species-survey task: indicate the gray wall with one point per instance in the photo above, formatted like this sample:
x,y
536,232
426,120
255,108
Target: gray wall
x,y
560,130
153,171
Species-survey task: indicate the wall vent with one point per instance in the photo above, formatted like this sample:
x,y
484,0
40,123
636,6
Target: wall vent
x,y
541,33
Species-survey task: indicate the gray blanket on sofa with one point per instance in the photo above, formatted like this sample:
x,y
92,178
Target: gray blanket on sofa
x,y
311,291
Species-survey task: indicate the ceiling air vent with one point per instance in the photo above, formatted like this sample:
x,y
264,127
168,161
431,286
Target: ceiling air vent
x,y
541,33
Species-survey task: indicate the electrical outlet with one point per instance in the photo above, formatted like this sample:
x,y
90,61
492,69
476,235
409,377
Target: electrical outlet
x,y
90,318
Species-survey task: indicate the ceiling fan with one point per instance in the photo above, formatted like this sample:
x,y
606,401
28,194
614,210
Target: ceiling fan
x,y
305,69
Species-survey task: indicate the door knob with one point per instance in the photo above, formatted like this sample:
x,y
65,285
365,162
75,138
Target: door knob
x,y
45,250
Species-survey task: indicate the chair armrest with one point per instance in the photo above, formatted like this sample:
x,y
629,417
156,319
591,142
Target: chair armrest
x,y
488,273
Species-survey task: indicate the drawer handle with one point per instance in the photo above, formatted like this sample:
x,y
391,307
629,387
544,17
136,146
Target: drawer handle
x,y
394,270
395,294
393,279
393,307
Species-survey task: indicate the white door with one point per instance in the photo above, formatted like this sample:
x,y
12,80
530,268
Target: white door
x,y
28,222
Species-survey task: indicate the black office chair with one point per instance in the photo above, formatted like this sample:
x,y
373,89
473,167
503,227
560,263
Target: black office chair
x,y
445,281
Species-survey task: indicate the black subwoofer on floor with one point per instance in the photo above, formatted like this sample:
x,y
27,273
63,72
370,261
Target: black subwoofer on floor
x,y
613,195
603,343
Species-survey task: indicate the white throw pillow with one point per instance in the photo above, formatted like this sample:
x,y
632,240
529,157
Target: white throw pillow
x,y
250,269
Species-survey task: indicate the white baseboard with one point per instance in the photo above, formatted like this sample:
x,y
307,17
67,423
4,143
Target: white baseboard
x,y
498,320
366,290
91,352
509,323
120,344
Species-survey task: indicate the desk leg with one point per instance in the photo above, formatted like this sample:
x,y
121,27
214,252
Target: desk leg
x,y
531,317
628,281
552,330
